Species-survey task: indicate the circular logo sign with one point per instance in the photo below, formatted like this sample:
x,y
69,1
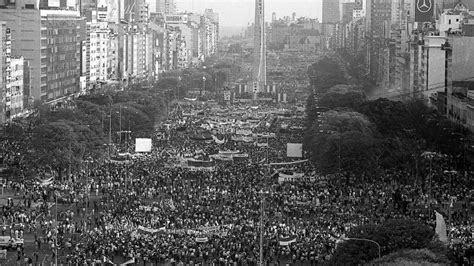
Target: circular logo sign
x,y
424,6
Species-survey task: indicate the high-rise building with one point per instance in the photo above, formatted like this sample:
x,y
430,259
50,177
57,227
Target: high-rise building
x,y
260,61
14,105
5,49
378,17
347,11
163,6
330,12
50,40
447,4
211,31
134,11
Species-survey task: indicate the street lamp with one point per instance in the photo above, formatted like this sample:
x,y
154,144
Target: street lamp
x,y
363,239
203,83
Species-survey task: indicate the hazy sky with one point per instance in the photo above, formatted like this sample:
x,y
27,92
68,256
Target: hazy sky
x,y
241,12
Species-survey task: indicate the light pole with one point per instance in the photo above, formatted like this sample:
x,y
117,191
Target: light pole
x,y
120,124
203,84
364,239
429,155
262,206
110,130
56,228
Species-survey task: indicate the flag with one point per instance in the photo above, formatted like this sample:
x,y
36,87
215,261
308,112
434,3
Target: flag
x,y
424,10
286,241
128,262
441,228
45,182
107,260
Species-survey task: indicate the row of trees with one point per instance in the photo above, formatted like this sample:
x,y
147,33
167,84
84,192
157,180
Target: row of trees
x,y
359,137
401,242
347,134
63,140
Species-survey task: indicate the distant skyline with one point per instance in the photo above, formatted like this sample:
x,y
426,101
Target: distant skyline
x,y
241,12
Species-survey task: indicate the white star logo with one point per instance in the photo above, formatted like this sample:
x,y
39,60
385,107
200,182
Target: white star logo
x,y
424,6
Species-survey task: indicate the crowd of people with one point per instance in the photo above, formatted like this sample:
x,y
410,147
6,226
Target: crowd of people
x,y
151,210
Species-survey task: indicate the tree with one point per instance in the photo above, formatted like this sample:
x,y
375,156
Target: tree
x,y
343,121
393,236
324,74
341,96
62,145
52,146
412,257
343,141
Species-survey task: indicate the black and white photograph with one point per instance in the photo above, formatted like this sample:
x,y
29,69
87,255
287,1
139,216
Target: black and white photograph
x,y
236,132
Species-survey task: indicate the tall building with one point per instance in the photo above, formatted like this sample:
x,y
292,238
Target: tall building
x,y
50,41
134,11
5,49
378,17
211,31
447,4
260,61
347,11
14,105
163,6
330,12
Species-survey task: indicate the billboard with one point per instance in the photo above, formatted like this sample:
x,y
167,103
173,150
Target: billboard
x,y
294,150
143,145
176,19
227,96
424,10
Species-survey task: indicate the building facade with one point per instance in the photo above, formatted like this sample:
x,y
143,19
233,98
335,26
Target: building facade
x,y
14,88
5,57
50,41
330,11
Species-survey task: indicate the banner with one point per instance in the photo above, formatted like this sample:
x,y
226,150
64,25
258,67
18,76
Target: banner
x,y
294,150
244,132
282,178
229,152
200,163
263,144
131,261
148,208
143,145
202,239
244,139
219,230
241,156
286,241
45,182
424,10
222,157
441,228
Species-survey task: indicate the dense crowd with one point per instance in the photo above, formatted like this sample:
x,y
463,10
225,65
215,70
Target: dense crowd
x,y
151,210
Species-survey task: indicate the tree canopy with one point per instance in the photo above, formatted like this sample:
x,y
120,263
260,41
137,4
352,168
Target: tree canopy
x,y
392,236
324,74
